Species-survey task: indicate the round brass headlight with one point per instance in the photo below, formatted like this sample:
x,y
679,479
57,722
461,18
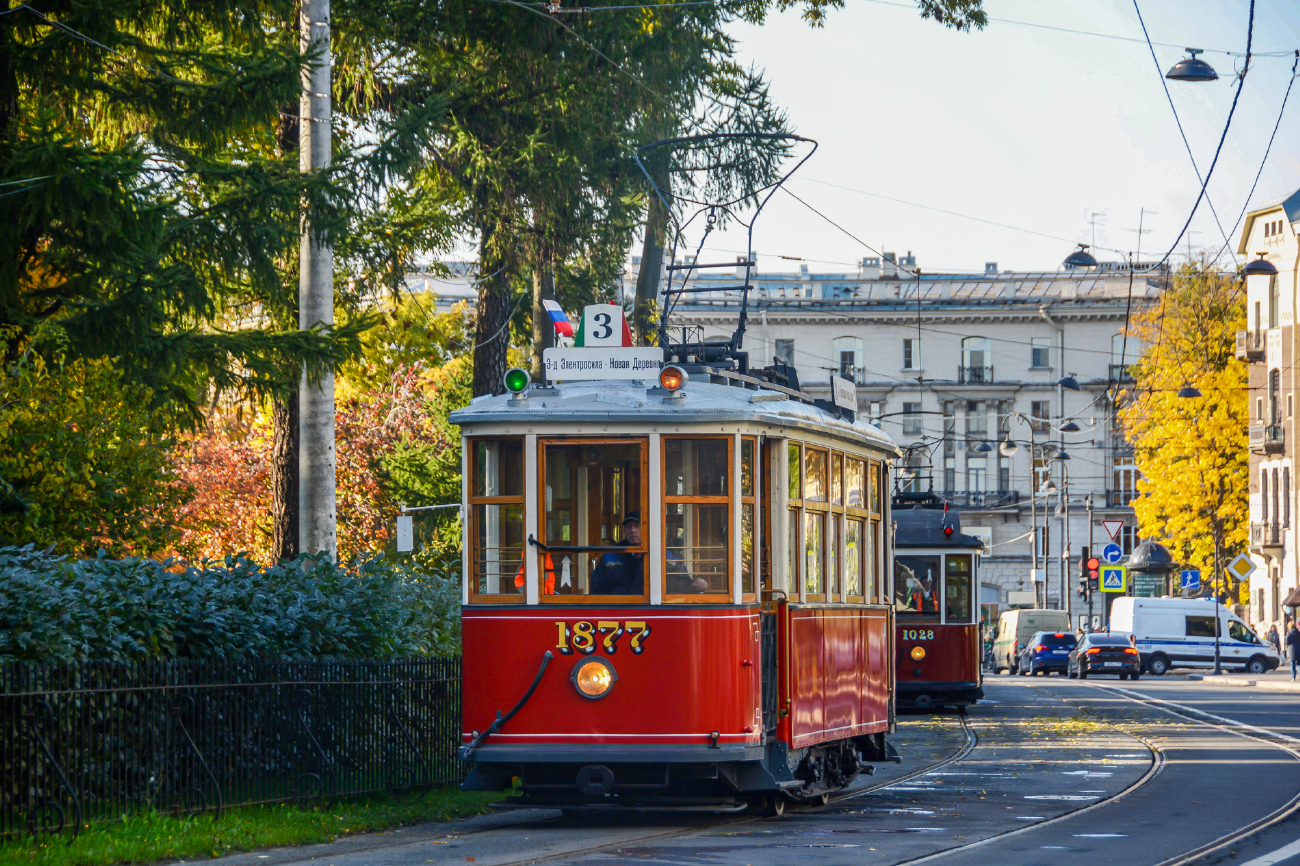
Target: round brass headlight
x,y
918,653
593,678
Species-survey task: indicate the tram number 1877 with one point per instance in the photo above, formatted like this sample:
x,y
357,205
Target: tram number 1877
x,y
586,636
918,634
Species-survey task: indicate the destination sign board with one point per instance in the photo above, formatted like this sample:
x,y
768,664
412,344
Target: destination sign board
x,y
612,362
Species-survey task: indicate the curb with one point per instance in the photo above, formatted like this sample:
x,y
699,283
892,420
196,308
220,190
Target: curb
x,y
1269,685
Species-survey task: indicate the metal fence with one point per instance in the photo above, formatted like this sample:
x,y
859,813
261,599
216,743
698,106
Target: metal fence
x,y
90,742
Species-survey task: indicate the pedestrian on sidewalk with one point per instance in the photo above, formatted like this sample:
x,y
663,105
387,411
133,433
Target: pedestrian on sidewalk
x,y
1293,649
1272,637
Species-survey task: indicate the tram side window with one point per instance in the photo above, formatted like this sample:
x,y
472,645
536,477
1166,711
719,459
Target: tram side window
x,y
747,506
593,497
497,516
957,588
854,555
697,520
916,585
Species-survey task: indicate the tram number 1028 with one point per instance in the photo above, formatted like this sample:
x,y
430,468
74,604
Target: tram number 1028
x,y
585,636
918,634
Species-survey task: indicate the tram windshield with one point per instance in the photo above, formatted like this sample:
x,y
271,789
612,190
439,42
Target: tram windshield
x,y
592,527
696,489
497,515
957,588
916,584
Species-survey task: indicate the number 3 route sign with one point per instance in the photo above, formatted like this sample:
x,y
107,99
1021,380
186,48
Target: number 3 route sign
x,y
1114,578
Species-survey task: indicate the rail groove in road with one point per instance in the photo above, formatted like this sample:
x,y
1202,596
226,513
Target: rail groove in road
x,y
972,740
1271,738
1157,766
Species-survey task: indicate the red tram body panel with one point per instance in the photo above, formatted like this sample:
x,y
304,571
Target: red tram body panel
x,y
935,585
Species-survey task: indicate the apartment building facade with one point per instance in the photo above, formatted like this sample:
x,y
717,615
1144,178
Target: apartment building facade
x,y
950,365
1269,346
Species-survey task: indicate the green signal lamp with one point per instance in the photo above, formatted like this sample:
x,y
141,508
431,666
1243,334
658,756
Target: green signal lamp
x,y
517,380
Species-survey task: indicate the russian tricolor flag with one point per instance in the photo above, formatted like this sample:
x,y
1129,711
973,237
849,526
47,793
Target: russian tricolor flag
x,y
562,325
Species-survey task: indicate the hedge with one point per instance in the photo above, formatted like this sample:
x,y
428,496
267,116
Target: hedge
x,y
53,608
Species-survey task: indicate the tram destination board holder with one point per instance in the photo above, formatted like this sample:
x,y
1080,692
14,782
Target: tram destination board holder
x,y
601,362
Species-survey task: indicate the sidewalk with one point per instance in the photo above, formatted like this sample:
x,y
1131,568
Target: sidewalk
x,y
1278,680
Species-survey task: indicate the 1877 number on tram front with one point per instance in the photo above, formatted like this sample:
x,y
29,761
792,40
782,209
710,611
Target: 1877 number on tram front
x,y
585,636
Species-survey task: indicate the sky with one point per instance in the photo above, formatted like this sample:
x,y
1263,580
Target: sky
x,y
1031,127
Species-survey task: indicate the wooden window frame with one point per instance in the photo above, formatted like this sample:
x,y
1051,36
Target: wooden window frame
x,y
644,501
794,504
755,565
810,507
471,500
727,499
863,513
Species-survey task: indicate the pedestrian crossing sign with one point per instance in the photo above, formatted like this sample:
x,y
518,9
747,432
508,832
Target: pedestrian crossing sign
x,y
1114,578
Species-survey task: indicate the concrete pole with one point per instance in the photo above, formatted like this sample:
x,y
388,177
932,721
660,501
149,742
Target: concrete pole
x,y
316,494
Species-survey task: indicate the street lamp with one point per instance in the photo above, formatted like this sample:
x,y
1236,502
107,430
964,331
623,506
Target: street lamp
x,y
1080,258
1261,267
1192,68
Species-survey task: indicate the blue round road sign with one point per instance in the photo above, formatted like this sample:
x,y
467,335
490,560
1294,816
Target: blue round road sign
x,y
1111,553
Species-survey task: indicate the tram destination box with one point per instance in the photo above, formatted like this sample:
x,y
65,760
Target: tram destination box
x,y
602,362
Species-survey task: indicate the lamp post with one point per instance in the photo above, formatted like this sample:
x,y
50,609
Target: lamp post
x,y
1065,536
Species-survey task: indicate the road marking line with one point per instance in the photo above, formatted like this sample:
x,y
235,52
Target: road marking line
x,y
1225,720
1277,856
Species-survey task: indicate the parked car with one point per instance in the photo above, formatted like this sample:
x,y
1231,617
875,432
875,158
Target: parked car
x,y
1046,651
1014,630
1181,632
1103,654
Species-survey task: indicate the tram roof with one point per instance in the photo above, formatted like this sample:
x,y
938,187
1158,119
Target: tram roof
x,y
633,401
922,528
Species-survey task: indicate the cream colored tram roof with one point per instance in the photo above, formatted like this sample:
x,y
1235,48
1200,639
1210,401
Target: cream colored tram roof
x,y
627,401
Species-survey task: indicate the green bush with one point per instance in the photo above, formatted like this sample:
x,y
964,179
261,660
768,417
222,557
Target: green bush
x,y
54,608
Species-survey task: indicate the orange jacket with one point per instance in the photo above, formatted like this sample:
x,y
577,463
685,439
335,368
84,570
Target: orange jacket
x,y
550,576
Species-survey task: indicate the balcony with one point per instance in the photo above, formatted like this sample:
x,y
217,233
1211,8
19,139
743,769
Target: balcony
x,y
1265,535
974,375
1250,345
982,498
1266,437
1121,373
1121,498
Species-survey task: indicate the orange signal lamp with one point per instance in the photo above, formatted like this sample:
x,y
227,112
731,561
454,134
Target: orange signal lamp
x,y
1093,565
672,378
918,653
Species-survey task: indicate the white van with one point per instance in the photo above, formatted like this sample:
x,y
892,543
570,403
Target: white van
x,y
1015,627
1180,632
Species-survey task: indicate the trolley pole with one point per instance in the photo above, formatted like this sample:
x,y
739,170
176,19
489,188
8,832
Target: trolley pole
x,y
317,530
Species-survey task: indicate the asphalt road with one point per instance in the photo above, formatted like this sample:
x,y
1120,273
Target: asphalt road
x,y
1060,771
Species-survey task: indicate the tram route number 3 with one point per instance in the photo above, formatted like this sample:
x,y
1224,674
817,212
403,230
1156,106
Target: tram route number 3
x,y
918,634
585,636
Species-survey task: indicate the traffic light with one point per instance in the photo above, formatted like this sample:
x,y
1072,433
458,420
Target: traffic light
x,y
1084,585
1094,573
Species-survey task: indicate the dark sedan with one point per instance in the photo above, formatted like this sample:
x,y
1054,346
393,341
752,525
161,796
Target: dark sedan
x,y
1104,654
1046,652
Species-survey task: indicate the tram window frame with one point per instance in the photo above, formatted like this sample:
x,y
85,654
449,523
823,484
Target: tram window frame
x,y
816,513
749,504
643,442
794,520
860,514
765,515
971,589
474,501
723,596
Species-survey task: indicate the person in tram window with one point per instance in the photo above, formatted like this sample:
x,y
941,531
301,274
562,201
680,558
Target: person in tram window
x,y
549,582
923,598
679,579
620,573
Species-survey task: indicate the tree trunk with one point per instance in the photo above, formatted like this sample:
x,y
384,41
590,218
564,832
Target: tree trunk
x,y
284,477
647,279
492,325
543,290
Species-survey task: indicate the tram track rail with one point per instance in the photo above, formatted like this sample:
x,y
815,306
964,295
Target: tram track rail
x,y
970,741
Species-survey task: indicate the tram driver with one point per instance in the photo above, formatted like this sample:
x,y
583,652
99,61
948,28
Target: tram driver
x,y
621,573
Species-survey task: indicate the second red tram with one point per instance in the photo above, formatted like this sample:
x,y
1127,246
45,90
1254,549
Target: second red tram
x,y
935,585
674,598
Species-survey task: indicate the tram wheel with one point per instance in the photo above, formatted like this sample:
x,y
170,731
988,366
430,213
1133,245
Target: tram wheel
x,y
769,805
823,799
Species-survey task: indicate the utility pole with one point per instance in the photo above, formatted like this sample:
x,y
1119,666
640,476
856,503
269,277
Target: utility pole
x,y
1087,504
1066,601
1033,526
316,493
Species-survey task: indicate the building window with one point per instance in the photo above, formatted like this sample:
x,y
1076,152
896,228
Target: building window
x,y
1040,414
977,420
1040,352
911,354
912,419
785,352
1043,543
914,472
1276,512
1288,405
1286,497
848,351
1263,495
1259,408
1004,473
1129,539
976,360
1273,302
875,413
949,474
976,467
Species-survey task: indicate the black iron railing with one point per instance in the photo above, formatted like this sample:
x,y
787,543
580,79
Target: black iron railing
x,y
1120,498
981,498
1265,535
974,375
88,742
1250,345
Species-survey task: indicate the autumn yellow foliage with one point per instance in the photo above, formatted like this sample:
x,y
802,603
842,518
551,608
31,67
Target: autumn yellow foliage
x,y
1191,451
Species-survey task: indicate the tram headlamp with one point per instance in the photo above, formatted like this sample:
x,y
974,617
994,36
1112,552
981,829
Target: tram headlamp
x,y
672,378
918,653
593,678
516,380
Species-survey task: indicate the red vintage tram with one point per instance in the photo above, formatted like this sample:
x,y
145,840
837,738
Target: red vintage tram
x,y
938,632
676,593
